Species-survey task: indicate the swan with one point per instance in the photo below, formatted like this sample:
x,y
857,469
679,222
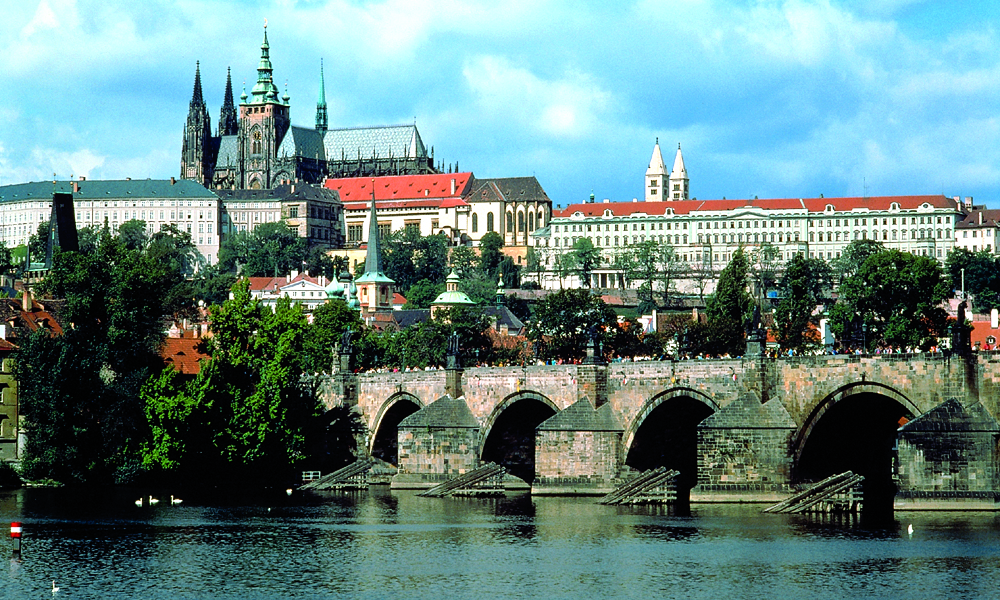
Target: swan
x,y
909,529
54,588
138,502
175,501
289,491
153,500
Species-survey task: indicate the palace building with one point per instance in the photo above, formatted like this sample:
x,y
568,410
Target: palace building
x,y
705,233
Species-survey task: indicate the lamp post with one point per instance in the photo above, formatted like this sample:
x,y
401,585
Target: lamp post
x,y
864,335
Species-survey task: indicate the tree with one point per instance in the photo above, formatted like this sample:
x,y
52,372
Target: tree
x,y
490,255
640,263
533,266
422,293
478,288
270,250
730,306
246,412
329,321
79,392
802,289
854,255
670,268
463,261
563,322
897,296
978,273
133,234
585,258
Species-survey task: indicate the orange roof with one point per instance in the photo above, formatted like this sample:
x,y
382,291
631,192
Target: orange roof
x,y
813,205
400,187
183,354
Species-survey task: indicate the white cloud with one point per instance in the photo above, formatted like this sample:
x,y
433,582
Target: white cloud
x,y
570,106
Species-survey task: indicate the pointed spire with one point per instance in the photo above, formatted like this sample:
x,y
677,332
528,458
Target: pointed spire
x,y
197,100
373,258
265,89
228,119
679,184
678,170
321,116
656,166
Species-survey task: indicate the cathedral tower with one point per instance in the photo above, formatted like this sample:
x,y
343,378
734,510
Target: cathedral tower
x,y
656,176
196,159
228,120
264,120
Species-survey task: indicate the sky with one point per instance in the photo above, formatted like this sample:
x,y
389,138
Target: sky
x,y
773,99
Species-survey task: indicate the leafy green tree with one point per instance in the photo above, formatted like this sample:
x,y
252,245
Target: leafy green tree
x,y
510,272
897,295
802,289
247,405
585,258
533,267
133,234
330,320
422,293
270,250
670,269
854,255
730,306
978,273
464,261
563,322
490,254
478,288
92,374
38,242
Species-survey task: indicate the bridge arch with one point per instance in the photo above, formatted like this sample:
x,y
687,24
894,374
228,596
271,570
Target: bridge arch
x,y
508,435
665,434
383,441
854,429
653,403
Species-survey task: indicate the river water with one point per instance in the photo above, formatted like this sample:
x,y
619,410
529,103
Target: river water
x,y
382,544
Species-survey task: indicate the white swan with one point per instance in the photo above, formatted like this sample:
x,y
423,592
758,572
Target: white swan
x,y
138,502
175,501
289,491
153,500
909,529
54,588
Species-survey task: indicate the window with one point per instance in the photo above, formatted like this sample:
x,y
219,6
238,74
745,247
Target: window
x,y
475,222
489,222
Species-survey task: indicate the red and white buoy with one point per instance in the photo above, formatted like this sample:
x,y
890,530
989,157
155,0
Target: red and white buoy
x,y
15,536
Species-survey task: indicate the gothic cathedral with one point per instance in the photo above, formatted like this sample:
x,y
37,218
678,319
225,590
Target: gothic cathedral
x,y
261,149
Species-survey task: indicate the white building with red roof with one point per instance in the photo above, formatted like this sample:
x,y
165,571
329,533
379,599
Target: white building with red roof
x,y
705,233
457,205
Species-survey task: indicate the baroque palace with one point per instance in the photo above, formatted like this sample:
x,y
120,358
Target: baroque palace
x,y
705,233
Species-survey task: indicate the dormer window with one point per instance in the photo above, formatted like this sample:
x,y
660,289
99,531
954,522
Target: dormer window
x,y
894,206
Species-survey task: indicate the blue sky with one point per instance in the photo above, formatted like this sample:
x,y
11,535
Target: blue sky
x,y
767,98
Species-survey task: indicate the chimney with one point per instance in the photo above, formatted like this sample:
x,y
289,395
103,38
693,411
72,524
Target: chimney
x,y
83,178
76,187
452,187
26,301
173,180
980,217
128,179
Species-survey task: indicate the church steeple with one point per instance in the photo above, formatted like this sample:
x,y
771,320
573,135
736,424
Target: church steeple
x,y
679,178
376,288
228,120
197,131
321,118
656,176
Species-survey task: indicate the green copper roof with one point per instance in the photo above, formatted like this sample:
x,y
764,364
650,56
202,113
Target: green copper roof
x,y
264,90
128,189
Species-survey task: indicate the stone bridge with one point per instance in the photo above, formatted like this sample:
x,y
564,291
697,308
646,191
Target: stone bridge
x,y
738,430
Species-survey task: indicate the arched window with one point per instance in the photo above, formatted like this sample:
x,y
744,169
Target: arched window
x,y
531,221
255,146
520,222
510,221
541,218
885,235
475,222
489,221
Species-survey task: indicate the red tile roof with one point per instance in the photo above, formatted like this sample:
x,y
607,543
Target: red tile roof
x,y
400,187
183,354
683,207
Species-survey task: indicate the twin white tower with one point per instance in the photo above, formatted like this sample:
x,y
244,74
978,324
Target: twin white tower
x,y
660,186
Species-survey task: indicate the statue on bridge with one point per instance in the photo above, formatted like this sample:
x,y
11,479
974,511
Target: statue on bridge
x,y
454,351
345,341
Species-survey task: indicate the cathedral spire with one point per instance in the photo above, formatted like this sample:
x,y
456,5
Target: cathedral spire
x,y
679,178
264,90
197,99
656,176
321,117
373,258
228,121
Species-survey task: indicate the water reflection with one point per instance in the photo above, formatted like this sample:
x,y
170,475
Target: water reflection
x,y
384,544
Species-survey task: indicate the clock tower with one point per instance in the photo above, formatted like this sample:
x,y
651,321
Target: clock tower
x,y
263,122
